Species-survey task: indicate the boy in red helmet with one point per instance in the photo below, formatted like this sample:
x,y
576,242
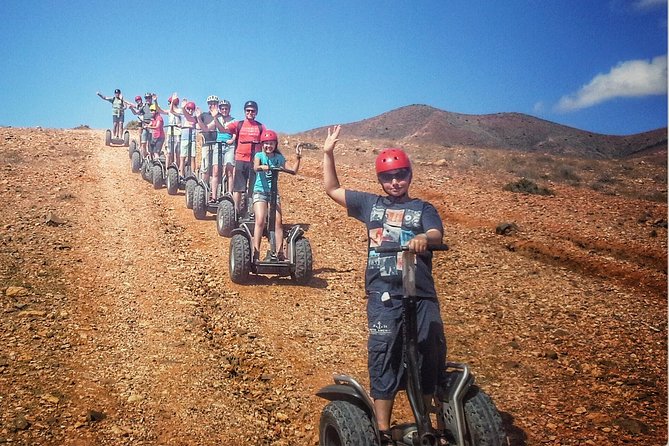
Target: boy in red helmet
x,y
394,219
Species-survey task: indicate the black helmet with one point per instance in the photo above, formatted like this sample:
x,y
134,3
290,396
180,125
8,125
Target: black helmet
x,y
251,104
117,91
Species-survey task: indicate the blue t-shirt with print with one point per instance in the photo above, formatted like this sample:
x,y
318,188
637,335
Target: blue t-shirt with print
x,y
264,184
391,223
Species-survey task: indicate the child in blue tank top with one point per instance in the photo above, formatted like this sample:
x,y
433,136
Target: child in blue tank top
x,y
263,162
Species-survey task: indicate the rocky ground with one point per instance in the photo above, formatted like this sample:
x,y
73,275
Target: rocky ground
x,y
119,324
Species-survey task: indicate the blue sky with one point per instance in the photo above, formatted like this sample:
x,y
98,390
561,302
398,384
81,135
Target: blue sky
x,y
597,65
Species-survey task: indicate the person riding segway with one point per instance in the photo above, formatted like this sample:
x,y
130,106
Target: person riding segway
x,y
117,136
247,133
406,345
173,147
296,261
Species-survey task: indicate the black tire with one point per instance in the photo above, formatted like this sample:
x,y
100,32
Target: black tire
x,y
132,148
484,423
126,138
303,269
146,171
172,180
190,187
225,218
345,424
135,162
199,202
157,176
108,138
240,259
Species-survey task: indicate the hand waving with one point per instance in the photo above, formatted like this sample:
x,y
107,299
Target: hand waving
x,y
332,139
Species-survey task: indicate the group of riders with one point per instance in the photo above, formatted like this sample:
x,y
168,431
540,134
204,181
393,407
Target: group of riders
x,y
248,148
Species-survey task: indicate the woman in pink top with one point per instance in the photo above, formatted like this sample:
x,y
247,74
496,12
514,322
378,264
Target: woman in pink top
x,y
157,133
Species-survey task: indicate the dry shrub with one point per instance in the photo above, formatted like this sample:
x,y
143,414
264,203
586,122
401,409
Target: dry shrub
x,y
525,186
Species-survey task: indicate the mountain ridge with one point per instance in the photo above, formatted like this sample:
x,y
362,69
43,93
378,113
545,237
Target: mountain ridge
x,y
424,124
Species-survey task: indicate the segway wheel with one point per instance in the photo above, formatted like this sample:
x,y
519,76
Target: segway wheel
x,y
225,218
135,162
146,171
303,269
199,202
240,258
157,176
126,138
484,423
190,188
132,148
108,137
172,180
344,423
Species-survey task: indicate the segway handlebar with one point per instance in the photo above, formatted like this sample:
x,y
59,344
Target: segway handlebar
x,y
388,249
281,169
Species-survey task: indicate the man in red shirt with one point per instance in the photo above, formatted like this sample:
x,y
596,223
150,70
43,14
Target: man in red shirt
x,y
248,134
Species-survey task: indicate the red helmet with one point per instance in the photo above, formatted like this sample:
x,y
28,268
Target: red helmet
x,y
269,135
138,98
190,105
175,101
392,159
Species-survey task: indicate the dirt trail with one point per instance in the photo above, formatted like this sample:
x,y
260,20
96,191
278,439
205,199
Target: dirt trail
x,y
129,330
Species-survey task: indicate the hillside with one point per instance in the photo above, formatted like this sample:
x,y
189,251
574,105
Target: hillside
x,y
422,124
120,324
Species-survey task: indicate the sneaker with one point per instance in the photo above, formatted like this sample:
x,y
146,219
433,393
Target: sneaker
x,y
281,256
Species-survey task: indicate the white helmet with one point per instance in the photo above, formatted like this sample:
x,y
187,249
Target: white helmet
x,y
212,98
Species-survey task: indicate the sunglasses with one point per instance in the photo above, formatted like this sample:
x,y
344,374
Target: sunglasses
x,y
223,106
399,175
250,110
189,109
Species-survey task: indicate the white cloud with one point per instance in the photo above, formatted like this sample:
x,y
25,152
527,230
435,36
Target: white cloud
x,y
633,78
648,4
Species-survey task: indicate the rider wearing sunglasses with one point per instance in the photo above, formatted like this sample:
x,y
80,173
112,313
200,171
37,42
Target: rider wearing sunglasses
x,y
393,219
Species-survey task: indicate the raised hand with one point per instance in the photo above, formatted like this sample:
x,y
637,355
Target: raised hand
x,y
332,139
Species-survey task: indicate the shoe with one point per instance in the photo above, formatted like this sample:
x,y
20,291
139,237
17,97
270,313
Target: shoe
x,y
386,438
281,257
256,256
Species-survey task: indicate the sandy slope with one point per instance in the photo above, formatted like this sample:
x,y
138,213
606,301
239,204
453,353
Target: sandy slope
x,y
125,327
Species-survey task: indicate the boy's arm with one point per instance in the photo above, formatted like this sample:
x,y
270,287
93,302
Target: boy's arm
x,y
330,180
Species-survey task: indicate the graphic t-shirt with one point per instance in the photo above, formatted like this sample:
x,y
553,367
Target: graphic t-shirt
x,y
264,184
390,223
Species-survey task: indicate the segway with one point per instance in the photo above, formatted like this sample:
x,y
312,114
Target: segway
x,y
467,414
299,261
228,217
158,171
117,142
147,168
185,180
202,191
172,175
134,154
